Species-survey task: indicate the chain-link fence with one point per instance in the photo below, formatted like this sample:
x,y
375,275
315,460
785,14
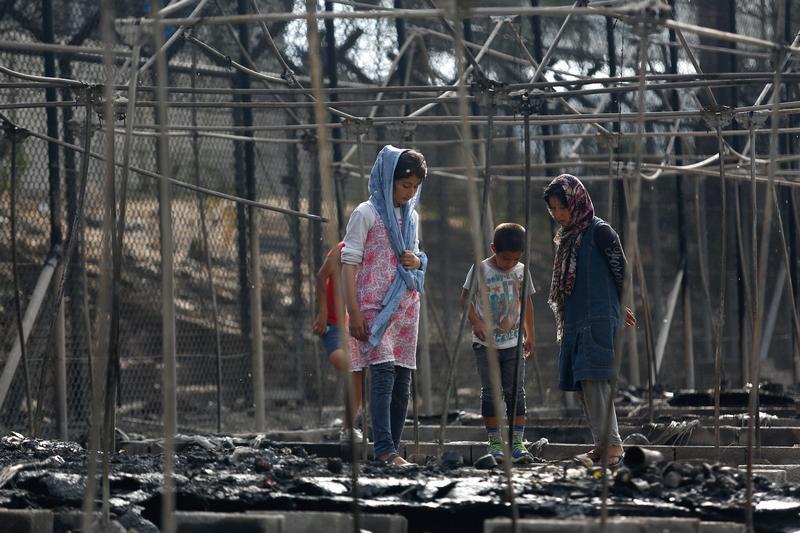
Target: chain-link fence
x,y
211,235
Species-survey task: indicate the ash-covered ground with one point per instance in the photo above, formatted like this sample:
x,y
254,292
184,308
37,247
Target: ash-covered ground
x,y
238,474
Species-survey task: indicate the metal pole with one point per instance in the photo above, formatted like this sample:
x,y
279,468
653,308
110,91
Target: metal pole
x,y
723,285
551,49
683,234
423,375
745,291
60,370
174,37
257,338
56,210
477,12
333,82
241,80
15,134
110,265
612,144
201,209
52,128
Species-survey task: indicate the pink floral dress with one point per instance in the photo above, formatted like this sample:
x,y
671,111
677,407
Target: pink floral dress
x,y
375,276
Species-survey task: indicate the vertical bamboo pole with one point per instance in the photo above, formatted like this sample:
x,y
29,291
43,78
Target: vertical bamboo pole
x,y
478,248
753,419
331,235
94,418
523,299
632,196
168,340
720,325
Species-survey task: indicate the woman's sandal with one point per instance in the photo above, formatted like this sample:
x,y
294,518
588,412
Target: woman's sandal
x,y
590,459
394,459
615,461
587,459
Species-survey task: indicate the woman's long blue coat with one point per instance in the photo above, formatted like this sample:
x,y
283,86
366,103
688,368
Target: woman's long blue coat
x,y
591,318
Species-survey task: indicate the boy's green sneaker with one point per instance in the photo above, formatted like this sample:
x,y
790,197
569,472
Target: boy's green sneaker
x,y
495,448
519,453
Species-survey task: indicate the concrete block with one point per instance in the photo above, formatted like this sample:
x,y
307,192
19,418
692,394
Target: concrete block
x,y
792,471
429,448
615,525
384,523
730,455
558,452
704,436
73,521
774,473
70,520
727,527
778,436
140,447
314,522
311,521
778,455
670,525
26,521
201,522
530,525
775,476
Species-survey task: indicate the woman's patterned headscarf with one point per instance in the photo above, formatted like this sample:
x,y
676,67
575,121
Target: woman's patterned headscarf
x,y
568,239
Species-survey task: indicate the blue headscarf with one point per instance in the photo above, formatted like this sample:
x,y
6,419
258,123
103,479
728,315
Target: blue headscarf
x,y
381,196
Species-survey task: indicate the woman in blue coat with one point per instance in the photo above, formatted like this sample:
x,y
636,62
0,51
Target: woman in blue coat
x,y
588,273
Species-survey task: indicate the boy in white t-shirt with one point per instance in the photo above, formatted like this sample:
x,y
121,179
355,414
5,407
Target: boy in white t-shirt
x,y
503,274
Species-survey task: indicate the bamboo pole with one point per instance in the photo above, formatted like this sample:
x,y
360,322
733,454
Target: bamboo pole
x,y
478,247
717,121
424,14
632,195
331,236
523,298
168,339
753,419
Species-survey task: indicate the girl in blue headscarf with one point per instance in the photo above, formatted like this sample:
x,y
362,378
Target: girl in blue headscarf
x,y
384,273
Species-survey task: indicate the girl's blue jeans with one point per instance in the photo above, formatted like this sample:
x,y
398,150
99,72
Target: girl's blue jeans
x,y
389,390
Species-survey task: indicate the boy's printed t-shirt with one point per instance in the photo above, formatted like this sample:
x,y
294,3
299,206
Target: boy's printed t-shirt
x,y
504,289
